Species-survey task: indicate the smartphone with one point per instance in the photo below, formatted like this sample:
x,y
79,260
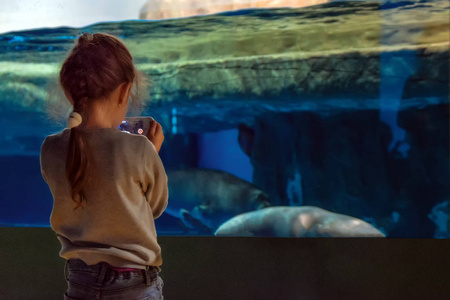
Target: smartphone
x,y
136,125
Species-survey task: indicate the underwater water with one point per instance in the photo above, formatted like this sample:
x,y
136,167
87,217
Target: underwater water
x,y
342,107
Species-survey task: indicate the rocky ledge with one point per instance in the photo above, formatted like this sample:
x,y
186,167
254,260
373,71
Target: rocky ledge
x,y
330,55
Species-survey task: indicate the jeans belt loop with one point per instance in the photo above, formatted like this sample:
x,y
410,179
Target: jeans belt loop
x,y
148,280
101,276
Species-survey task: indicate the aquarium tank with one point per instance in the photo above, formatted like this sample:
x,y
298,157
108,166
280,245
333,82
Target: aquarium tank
x,y
290,119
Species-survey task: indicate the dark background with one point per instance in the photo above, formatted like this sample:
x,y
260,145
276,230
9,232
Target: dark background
x,y
250,268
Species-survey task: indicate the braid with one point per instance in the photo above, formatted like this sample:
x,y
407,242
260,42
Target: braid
x,y
77,159
80,92
77,155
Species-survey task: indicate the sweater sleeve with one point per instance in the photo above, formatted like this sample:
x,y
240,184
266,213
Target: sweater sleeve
x,y
155,181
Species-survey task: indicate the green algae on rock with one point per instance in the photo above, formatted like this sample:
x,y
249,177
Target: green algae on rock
x,y
288,54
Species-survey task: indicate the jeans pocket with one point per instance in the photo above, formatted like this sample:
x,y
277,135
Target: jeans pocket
x,y
159,284
154,291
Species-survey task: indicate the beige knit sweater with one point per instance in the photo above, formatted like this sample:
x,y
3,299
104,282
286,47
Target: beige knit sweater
x,y
125,192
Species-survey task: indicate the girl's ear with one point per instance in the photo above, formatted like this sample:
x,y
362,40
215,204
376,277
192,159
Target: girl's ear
x,y
125,89
130,85
68,96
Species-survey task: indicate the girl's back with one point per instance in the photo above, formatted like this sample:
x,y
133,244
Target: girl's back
x,y
117,220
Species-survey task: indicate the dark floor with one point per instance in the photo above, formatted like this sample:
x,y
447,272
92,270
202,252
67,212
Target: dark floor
x,y
250,268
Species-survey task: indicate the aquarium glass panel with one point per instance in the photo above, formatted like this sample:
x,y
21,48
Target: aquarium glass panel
x,y
281,118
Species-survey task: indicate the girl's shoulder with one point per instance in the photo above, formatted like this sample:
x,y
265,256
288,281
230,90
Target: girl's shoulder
x,y
127,137
63,134
118,138
53,143
105,136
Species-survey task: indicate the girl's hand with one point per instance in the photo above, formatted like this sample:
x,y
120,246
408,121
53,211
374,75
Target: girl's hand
x,y
155,134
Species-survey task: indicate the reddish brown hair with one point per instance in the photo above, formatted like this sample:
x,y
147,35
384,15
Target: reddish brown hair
x,y
97,64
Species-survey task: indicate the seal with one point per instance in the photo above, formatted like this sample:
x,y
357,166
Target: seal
x,y
298,221
204,198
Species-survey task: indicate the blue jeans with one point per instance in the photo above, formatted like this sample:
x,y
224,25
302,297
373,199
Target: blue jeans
x,y
100,281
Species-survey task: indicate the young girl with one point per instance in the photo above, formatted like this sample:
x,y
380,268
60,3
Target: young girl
x,y
108,186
